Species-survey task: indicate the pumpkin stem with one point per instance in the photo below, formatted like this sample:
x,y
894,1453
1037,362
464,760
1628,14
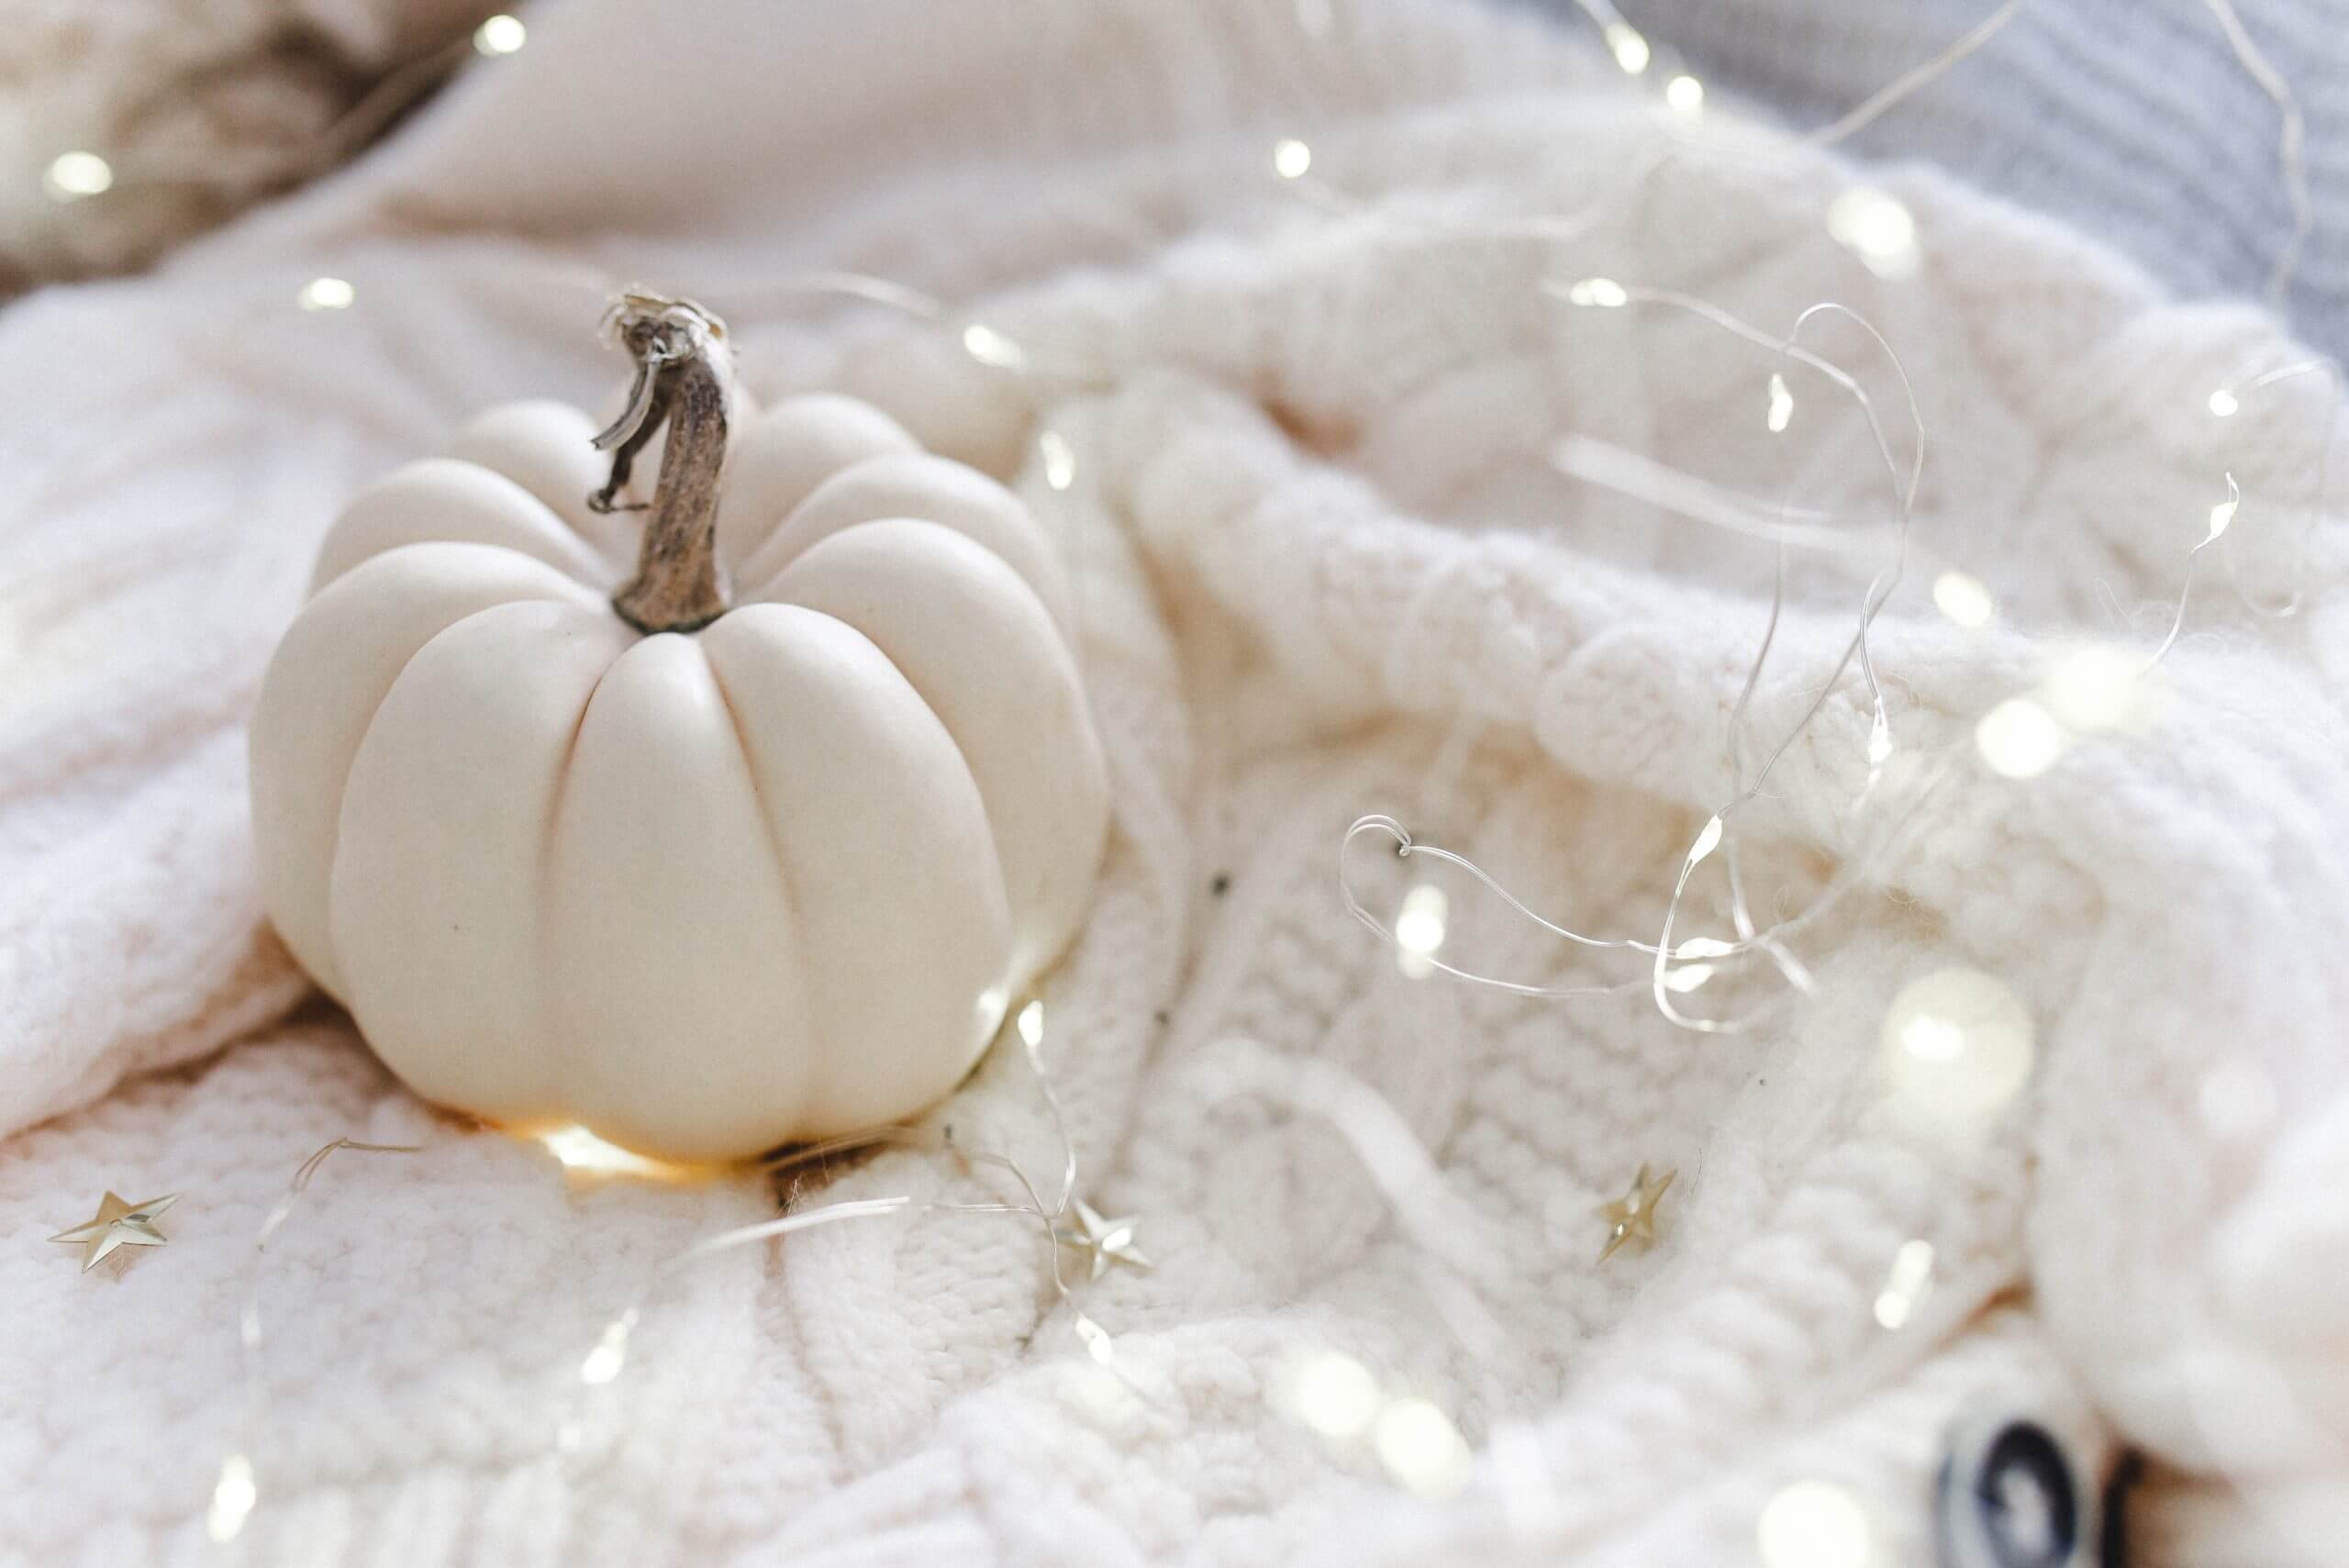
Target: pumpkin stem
x,y
683,379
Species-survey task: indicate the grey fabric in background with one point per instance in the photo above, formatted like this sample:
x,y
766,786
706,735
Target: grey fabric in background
x,y
2131,120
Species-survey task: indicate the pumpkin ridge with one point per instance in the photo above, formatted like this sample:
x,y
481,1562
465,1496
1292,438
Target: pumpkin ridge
x,y
342,783
496,501
551,818
952,551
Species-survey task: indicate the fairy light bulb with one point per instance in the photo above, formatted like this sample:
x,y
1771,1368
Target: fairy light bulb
x,y
2224,404
1060,461
1962,599
1685,94
1782,404
610,1354
2224,513
2019,738
1419,928
1422,1448
1814,1524
1031,1024
1604,292
1876,228
1707,841
1911,1267
1096,1340
1334,1394
1957,1047
500,35
1629,46
73,175
2095,688
233,1496
581,1150
991,348
1291,159
327,293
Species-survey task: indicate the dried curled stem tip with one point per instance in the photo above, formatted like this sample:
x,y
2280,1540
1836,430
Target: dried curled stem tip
x,y
683,379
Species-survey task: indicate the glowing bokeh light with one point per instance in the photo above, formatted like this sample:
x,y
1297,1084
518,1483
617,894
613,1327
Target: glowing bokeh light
x,y
500,35
1419,928
2019,738
1814,1524
327,293
1422,1448
1964,599
1629,46
1334,1394
1957,1046
233,1496
1876,228
72,175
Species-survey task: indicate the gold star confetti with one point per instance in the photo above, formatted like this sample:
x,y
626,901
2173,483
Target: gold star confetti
x,y
118,1224
1633,1217
1106,1240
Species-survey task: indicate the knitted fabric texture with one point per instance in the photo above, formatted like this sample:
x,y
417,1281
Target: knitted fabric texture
x,y
2131,120
1324,567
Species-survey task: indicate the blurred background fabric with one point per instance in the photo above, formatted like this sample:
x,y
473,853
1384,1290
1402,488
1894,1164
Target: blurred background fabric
x,y
2132,119
200,108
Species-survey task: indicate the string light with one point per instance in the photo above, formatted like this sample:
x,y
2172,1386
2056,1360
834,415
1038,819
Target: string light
x,y
991,348
581,1151
1334,1394
2095,688
327,293
232,1500
236,1489
500,34
2019,738
1957,1046
1422,1448
1060,461
73,175
1962,599
1912,1266
1876,227
1420,928
2291,137
1914,80
2224,404
1814,1524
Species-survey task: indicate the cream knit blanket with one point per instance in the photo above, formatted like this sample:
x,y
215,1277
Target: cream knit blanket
x,y
1326,569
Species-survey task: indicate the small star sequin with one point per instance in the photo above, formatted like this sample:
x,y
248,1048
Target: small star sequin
x,y
118,1224
1104,1239
1633,1217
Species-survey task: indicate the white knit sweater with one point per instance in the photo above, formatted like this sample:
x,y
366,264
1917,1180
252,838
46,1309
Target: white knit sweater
x,y
1324,569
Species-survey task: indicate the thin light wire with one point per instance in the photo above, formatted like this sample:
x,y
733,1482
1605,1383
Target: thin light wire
x,y
1878,592
2330,369
2186,590
238,1488
610,1356
1915,79
2291,138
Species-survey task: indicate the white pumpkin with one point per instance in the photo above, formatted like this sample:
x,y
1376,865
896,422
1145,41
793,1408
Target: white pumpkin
x,y
702,879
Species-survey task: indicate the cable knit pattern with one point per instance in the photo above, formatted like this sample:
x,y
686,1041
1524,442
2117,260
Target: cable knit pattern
x,y
1322,567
